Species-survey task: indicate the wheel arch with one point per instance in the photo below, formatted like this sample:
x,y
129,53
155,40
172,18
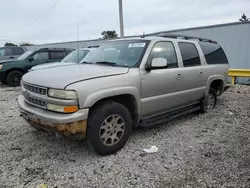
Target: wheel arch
x,y
130,99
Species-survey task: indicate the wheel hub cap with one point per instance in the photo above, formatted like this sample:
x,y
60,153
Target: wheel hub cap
x,y
112,130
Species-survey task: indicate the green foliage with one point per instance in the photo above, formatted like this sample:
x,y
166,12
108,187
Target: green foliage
x,y
9,44
109,34
26,44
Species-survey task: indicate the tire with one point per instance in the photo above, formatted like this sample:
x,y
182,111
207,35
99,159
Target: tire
x,y
14,78
109,127
211,101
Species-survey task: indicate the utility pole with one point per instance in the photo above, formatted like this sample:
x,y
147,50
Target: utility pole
x,y
121,19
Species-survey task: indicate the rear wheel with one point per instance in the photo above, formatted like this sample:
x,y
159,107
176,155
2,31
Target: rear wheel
x,y
210,102
109,127
14,78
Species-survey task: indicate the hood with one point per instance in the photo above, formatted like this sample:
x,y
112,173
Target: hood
x,y
50,65
61,76
6,61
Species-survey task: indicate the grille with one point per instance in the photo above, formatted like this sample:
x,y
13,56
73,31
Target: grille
x,y
35,89
35,101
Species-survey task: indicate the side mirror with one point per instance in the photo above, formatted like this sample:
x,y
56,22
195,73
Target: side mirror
x,y
158,63
31,58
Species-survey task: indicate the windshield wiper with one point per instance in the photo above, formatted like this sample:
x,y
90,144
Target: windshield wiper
x,y
106,63
85,62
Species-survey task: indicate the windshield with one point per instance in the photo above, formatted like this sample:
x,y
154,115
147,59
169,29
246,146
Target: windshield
x,y
76,56
23,56
121,53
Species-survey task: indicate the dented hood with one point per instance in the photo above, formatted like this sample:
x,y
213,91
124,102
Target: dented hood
x,y
60,77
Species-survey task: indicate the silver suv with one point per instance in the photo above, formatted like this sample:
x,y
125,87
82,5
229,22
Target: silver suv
x,y
125,83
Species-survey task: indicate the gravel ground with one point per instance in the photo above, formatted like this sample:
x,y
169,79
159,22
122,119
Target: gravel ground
x,y
209,150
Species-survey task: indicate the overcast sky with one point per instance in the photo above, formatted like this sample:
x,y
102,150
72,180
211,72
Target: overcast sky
x,y
93,16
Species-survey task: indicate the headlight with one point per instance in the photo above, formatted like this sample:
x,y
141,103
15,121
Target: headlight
x,y
62,94
1,66
63,109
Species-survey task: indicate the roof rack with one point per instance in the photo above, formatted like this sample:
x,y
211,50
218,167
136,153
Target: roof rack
x,y
184,37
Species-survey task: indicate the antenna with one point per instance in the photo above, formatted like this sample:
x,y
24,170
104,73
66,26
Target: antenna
x,y
77,42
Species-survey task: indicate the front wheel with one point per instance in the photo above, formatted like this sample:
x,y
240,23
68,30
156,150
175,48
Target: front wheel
x,y
14,78
109,127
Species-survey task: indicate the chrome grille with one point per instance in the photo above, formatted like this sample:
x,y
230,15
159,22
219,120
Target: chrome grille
x,y
35,89
35,101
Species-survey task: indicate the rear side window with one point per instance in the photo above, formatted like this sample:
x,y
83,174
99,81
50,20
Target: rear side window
x,y
164,50
17,51
213,53
189,54
57,54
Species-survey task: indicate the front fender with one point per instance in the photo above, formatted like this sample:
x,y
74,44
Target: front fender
x,y
111,92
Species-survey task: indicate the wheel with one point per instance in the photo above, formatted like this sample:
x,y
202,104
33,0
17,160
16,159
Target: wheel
x,y
109,127
14,78
211,101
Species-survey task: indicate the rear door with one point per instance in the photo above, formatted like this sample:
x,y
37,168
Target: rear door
x,y
16,52
193,86
56,55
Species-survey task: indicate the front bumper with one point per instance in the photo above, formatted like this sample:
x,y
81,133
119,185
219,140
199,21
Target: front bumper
x,y
70,125
2,76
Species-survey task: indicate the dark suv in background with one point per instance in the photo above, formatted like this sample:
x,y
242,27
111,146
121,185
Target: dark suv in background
x,y
11,71
11,52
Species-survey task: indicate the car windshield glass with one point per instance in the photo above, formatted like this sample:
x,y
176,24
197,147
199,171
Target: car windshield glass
x,y
75,56
117,53
23,56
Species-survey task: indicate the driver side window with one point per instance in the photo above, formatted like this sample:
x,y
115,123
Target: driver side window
x,y
41,56
164,50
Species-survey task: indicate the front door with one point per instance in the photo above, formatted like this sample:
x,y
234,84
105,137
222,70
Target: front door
x,y
161,87
37,59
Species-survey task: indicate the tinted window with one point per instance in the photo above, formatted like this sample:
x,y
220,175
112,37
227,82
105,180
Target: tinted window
x,y
41,56
189,54
8,51
2,51
214,54
164,50
57,55
17,51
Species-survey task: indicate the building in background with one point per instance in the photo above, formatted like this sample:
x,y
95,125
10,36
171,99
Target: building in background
x,y
233,37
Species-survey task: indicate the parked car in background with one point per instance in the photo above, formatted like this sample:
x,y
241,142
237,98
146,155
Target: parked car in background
x,y
11,71
11,52
74,57
125,83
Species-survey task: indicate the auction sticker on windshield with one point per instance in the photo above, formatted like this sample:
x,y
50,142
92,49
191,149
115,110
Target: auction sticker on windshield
x,y
137,45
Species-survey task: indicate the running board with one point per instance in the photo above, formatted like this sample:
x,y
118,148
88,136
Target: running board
x,y
162,118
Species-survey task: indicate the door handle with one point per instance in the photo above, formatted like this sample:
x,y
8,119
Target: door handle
x,y
178,76
201,73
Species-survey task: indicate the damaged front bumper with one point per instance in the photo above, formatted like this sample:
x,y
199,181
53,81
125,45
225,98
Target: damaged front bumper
x,y
69,125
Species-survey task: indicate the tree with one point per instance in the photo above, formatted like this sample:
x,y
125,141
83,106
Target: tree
x,y
9,44
26,44
244,18
109,34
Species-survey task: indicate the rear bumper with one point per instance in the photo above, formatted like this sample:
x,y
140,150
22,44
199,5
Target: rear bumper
x,y
69,125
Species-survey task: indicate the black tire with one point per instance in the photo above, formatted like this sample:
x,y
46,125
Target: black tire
x,y
14,78
96,119
204,108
